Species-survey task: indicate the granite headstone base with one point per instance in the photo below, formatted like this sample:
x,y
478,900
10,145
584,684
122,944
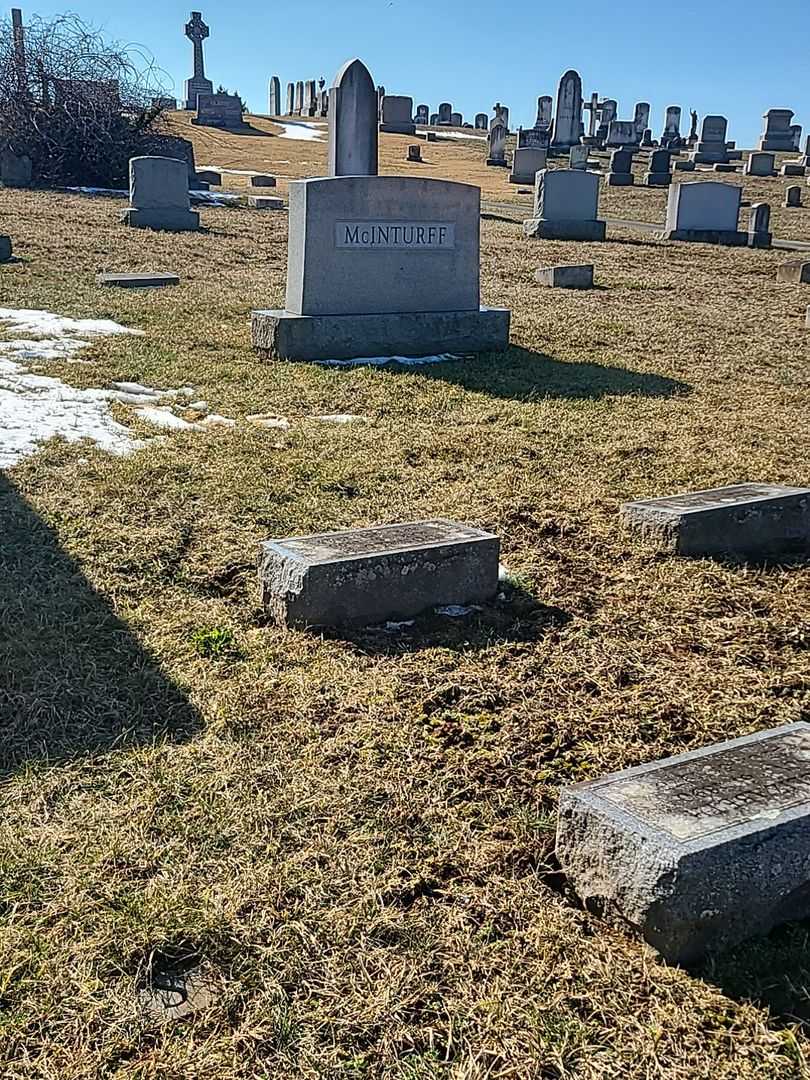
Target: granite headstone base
x,y
167,219
619,179
662,179
740,521
282,335
366,576
727,237
541,229
698,851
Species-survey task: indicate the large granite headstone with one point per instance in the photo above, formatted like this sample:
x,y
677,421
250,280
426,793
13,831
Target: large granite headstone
x,y
621,169
671,137
712,148
526,163
658,173
445,113
274,96
760,163
705,212
219,110
366,576
158,195
568,127
378,265
566,202
741,521
698,851
622,134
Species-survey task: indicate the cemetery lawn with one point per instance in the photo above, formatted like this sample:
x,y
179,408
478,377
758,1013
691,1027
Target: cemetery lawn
x,y
347,841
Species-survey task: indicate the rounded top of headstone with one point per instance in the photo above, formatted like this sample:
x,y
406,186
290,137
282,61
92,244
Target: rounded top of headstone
x,y
354,69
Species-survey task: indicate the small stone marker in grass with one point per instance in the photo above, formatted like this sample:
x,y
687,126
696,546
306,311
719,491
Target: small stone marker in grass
x,y
566,276
793,196
685,166
759,226
698,851
262,181
265,202
415,152
724,167
5,248
158,195
796,272
740,521
137,281
621,169
366,576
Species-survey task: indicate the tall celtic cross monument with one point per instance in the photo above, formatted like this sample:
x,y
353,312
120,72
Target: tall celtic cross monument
x,y
197,32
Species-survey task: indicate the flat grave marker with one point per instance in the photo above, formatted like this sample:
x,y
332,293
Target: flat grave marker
x,y
137,281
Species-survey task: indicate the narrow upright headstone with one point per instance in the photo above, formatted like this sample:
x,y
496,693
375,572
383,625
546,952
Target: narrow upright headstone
x,y
323,98
671,136
445,113
158,195
196,31
353,122
501,116
592,108
289,111
299,98
423,115
621,169
578,157
607,113
759,226
481,121
20,62
641,118
310,106
712,148
544,106
497,146
568,115
274,96
697,851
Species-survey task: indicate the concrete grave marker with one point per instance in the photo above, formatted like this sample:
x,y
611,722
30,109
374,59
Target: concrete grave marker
x,y
796,272
566,202
671,136
544,106
621,169
526,163
366,576
705,212
778,133
422,115
568,128
481,121
290,110
353,122
578,157
793,196
760,164
137,281
265,202
641,118
566,276
397,115
158,195
740,521
759,226
274,96
698,851
659,166
712,146
445,113
196,31
497,146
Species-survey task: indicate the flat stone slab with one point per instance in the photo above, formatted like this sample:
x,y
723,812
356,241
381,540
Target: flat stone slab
x,y
796,272
283,335
698,851
366,576
740,521
620,179
209,176
566,276
265,202
262,181
685,166
5,248
792,168
137,281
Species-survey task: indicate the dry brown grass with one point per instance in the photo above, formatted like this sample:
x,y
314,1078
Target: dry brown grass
x,y
354,835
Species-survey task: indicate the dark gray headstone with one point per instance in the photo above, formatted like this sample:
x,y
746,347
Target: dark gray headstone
x,y
353,122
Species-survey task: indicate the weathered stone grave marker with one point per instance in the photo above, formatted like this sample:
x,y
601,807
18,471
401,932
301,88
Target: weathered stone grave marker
x,y
698,851
265,202
779,134
5,249
566,276
415,152
659,166
566,202
705,212
712,145
378,265
793,196
796,272
366,576
760,164
759,226
497,146
259,180
290,99
621,169
578,157
568,127
274,96
158,195
740,521
137,281
526,163
397,115
671,136
219,110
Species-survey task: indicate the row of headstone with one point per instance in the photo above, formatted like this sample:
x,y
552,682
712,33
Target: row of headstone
x,y
304,98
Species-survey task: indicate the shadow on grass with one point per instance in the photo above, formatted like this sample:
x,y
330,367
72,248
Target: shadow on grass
x,y
519,619
525,375
771,972
73,678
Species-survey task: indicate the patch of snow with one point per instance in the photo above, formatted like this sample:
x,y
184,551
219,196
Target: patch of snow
x,y
136,389
215,420
267,421
341,418
163,417
456,611
114,193
293,129
198,406
381,361
456,135
33,321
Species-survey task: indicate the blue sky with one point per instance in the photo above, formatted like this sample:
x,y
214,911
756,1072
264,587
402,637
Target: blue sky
x,y
717,56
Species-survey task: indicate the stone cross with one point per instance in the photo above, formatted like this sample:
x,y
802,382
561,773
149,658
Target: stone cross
x,y
593,108
197,32
353,123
